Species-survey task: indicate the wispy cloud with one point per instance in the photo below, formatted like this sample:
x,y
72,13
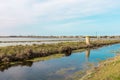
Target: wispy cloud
x,y
63,9
20,12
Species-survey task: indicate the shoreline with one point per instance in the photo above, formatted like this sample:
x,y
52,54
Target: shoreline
x,y
23,53
29,62
106,70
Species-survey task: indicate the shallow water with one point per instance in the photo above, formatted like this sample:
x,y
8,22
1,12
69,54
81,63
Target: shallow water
x,y
30,41
64,68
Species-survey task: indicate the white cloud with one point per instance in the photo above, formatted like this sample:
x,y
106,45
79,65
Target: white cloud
x,y
14,12
63,9
17,12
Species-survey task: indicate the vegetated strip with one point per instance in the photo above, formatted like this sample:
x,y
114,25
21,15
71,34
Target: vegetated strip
x,y
107,70
22,53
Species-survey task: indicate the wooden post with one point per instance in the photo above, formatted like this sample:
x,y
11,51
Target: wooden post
x,y
87,40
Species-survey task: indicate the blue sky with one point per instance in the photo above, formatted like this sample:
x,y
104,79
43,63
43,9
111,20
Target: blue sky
x,y
59,17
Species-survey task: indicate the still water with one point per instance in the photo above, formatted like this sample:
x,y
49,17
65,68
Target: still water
x,y
36,39
64,68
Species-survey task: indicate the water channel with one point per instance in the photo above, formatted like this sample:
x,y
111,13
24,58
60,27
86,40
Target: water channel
x,y
67,67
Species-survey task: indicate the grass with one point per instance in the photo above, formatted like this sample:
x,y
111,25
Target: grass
x,y
27,52
108,70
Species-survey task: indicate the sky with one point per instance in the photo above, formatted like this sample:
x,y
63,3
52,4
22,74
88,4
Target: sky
x,y
59,17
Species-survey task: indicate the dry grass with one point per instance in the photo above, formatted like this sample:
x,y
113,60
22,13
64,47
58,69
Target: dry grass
x,y
108,70
20,52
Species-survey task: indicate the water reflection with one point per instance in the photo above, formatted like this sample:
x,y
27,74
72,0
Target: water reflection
x,y
6,66
68,54
87,52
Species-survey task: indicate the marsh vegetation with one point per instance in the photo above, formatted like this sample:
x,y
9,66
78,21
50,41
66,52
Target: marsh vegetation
x,y
22,53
